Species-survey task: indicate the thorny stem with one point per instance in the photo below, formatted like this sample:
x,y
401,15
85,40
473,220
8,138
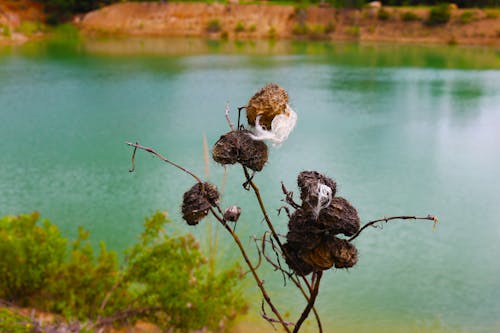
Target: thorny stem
x,y
387,219
259,282
161,157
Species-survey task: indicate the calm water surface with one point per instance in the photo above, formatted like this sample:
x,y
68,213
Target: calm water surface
x,y
403,130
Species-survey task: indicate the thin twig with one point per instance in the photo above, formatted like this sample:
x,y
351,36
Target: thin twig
x,y
387,219
271,320
260,283
269,223
133,160
289,197
229,118
161,157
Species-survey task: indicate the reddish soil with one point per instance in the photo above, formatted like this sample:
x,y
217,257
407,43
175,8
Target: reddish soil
x,y
250,21
263,21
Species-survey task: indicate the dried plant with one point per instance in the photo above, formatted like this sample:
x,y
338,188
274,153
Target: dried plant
x,y
313,242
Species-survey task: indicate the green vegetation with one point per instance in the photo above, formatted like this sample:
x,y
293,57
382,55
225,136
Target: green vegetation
x,y
213,26
164,280
354,31
5,31
439,15
30,28
409,17
383,14
467,17
240,27
14,323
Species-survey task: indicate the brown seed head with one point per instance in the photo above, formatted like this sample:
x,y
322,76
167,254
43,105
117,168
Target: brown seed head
x,y
268,102
340,217
232,213
294,261
197,201
239,147
308,182
330,252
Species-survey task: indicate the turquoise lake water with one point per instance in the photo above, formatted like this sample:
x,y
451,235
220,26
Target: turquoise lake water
x,y
402,129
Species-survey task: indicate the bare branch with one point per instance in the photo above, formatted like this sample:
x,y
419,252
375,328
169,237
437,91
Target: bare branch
x,y
289,197
228,118
260,283
161,157
387,219
310,305
271,320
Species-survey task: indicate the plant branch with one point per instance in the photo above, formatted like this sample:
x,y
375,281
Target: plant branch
x,y
161,157
387,219
312,300
259,282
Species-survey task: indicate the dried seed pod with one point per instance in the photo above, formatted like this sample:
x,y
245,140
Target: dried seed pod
x,y
294,261
311,184
232,213
268,102
197,201
330,252
238,146
303,230
345,254
340,217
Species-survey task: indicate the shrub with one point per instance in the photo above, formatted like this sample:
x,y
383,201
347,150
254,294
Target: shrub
x,y
491,14
439,14
240,27
330,28
213,26
410,17
13,322
353,31
171,274
271,33
30,252
467,17
5,30
383,15
300,29
78,287
165,279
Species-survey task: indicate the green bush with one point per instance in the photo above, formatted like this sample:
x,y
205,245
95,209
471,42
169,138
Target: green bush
x,y
439,14
213,26
12,322
300,29
30,253
410,17
165,280
172,274
383,15
467,17
240,27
